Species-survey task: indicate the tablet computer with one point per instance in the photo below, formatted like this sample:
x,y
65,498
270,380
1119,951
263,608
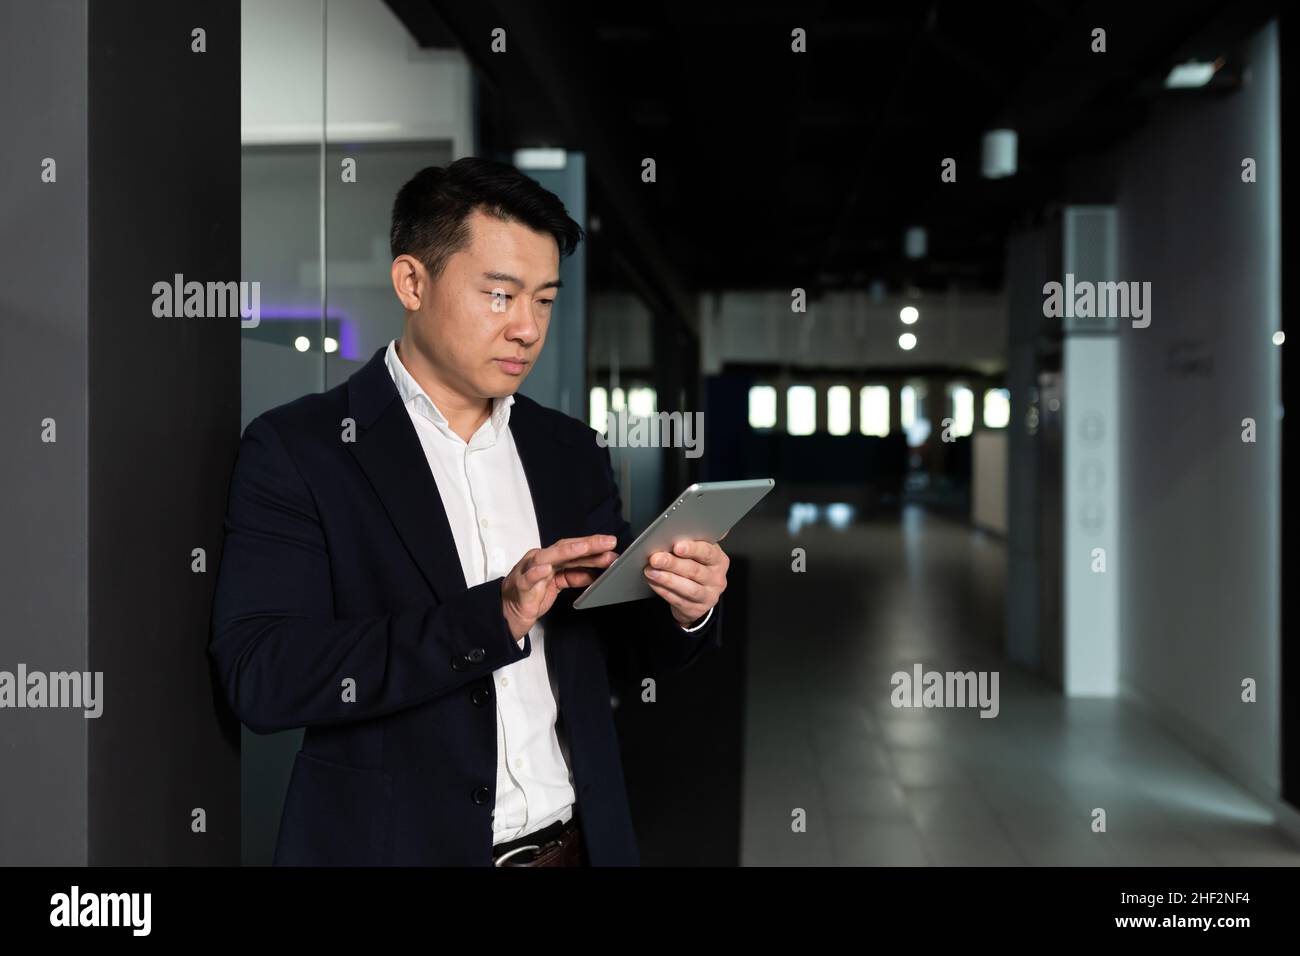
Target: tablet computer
x,y
706,511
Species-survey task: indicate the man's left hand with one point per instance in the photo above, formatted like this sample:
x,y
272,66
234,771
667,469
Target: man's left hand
x,y
691,578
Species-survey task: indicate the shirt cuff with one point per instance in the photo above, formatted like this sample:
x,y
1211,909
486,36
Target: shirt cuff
x,y
688,630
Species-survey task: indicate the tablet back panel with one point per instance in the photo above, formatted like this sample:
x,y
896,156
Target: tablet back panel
x,y
704,511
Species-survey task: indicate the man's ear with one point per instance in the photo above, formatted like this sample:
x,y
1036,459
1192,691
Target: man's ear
x,y
410,281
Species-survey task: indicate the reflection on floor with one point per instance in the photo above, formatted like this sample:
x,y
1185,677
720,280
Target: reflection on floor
x,y
932,786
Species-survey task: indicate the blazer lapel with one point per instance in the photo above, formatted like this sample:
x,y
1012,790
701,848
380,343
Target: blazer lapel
x,y
544,460
389,451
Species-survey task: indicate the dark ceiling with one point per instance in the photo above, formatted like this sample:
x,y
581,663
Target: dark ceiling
x,y
777,169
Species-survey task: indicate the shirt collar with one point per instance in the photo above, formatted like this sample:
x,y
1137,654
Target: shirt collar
x,y
410,391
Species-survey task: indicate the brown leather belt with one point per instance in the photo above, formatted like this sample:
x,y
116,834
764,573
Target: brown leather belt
x,y
559,844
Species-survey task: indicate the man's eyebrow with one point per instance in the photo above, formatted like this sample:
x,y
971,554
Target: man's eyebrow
x,y
506,277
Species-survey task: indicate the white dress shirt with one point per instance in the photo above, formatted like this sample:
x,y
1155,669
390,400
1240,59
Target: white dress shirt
x,y
490,509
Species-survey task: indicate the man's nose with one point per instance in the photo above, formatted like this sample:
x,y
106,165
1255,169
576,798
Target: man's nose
x,y
523,327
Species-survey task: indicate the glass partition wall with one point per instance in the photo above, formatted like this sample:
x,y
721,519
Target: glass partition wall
x,y
339,107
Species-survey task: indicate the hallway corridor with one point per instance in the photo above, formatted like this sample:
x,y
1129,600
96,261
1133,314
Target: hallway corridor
x,y
897,786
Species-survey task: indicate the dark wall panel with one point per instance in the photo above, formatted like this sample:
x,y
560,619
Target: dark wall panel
x,y
164,425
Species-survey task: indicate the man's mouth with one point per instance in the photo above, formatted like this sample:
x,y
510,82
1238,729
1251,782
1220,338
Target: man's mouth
x,y
512,366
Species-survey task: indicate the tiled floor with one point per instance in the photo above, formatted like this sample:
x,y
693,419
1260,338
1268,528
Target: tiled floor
x,y
880,785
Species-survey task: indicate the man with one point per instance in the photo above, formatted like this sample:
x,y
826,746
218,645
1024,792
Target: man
x,y
401,558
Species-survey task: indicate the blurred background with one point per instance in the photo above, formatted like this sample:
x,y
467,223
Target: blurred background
x,y
840,261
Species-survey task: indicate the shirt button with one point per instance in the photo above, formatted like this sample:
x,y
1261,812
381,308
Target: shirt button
x,y
519,761
482,522
505,682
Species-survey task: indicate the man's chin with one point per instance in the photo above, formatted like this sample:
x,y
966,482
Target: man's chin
x,y
498,389
503,383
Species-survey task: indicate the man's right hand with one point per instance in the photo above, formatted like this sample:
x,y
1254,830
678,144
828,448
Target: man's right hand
x,y
533,584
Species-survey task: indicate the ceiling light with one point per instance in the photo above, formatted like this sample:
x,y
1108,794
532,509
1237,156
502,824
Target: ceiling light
x,y
909,314
541,158
907,341
1189,75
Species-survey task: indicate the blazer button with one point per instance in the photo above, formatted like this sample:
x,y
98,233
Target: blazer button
x,y
481,796
481,696
476,656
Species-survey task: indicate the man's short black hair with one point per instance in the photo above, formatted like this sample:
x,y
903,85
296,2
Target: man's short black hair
x,y
431,211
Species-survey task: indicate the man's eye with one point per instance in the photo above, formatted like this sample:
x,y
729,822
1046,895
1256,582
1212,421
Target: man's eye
x,y
499,295
546,301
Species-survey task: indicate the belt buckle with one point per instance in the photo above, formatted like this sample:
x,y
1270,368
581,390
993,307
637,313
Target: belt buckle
x,y
554,845
500,861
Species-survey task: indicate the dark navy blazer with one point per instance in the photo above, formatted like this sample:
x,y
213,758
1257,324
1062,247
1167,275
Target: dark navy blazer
x,y
339,565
